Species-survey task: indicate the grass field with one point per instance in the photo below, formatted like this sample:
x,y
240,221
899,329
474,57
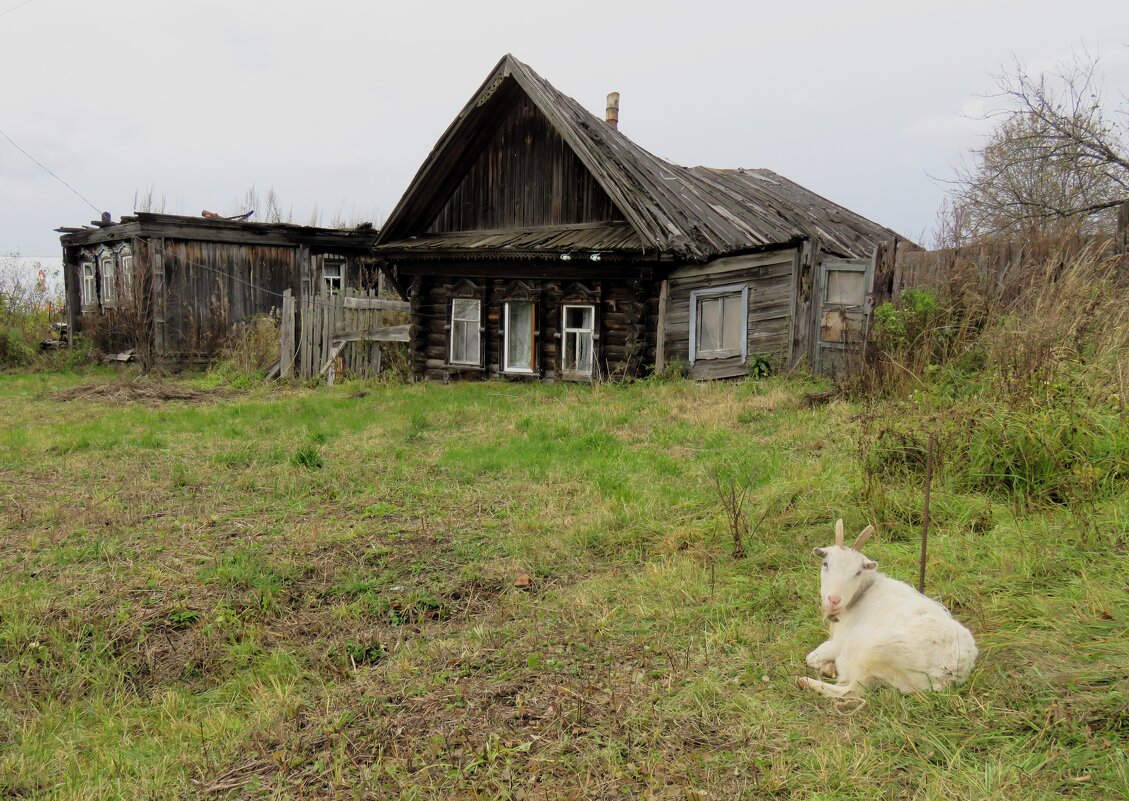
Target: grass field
x,y
517,592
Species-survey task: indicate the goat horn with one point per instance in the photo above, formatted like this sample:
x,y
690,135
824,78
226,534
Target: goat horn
x,y
839,532
866,532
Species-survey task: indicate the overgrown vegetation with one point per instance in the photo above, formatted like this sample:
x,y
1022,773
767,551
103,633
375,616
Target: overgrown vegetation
x,y
511,591
28,307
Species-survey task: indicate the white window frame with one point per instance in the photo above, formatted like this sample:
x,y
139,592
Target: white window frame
x,y
106,269
326,280
506,368
88,286
716,293
476,327
566,332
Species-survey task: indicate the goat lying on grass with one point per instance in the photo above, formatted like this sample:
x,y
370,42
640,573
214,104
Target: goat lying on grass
x,y
883,631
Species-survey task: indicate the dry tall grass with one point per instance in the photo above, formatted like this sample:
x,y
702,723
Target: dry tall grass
x,y
1053,309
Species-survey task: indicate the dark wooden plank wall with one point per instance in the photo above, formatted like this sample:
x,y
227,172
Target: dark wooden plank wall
x,y
621,323
525,175
239,281
771,282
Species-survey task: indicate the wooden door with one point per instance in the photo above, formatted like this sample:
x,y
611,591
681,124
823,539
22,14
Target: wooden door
x,y
845,287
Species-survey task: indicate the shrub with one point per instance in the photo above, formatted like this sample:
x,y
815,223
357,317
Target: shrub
x,y
27,310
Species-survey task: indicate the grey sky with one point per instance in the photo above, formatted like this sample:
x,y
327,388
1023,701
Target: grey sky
x,y
335,104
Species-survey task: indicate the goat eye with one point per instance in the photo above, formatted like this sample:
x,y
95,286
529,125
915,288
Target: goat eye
x,y
859,573
824,565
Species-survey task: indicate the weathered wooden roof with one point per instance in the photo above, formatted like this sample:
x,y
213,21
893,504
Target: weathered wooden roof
x,y
693,213
527,241
204,229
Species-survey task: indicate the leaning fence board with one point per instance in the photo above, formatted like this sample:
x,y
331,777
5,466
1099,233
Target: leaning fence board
x,y
329,369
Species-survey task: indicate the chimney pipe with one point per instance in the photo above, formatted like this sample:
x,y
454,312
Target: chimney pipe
x,y
612,115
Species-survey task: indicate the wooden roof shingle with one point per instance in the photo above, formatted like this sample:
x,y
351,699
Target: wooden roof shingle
x,y
692,213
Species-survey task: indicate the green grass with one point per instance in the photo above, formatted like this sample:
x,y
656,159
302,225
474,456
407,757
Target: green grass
x,y
296,593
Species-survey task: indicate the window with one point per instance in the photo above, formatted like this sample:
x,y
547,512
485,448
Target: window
x,y
89,288
333,276
719,323
846,287
518,348
466,340
127,273
579,330
106,265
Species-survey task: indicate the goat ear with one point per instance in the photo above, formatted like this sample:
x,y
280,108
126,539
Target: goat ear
x,y
820,552
839,532
869,564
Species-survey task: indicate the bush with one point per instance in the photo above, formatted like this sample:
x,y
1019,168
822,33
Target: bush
x,y
27,310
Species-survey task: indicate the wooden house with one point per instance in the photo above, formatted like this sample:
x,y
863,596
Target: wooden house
x,y
174,286
537,241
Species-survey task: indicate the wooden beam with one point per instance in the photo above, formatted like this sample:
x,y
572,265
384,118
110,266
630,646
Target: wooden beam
x,y
395,333
660,332
379,304
286,336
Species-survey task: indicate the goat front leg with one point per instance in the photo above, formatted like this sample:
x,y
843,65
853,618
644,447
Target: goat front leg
x,y
829,690
823,658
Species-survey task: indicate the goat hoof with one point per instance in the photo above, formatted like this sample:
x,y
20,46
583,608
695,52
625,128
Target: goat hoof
x,y
829,669
803,682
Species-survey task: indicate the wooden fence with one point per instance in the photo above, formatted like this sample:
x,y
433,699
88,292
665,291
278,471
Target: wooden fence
x,y
335,333
997,270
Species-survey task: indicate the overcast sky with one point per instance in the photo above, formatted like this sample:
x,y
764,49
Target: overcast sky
x,y
335,104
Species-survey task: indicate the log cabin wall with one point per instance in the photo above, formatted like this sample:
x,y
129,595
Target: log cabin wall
x,y
768,281
620,326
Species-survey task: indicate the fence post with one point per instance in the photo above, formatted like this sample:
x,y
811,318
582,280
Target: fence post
x,y
377,322
286,336
1123,227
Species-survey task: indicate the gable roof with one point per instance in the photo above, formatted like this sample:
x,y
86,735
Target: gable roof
x,y
693,213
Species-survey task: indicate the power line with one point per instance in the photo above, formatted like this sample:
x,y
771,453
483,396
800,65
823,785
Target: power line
x,y
43,166
16,7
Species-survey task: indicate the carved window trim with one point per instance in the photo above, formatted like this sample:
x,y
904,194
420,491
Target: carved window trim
x,y
107,273
88,280
125,263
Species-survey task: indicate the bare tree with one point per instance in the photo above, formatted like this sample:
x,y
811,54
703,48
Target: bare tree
x,y
1055,158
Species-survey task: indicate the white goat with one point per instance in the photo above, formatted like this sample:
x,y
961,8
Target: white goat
x,y
883,631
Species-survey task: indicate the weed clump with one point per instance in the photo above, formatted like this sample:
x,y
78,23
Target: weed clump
x,y
309,457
